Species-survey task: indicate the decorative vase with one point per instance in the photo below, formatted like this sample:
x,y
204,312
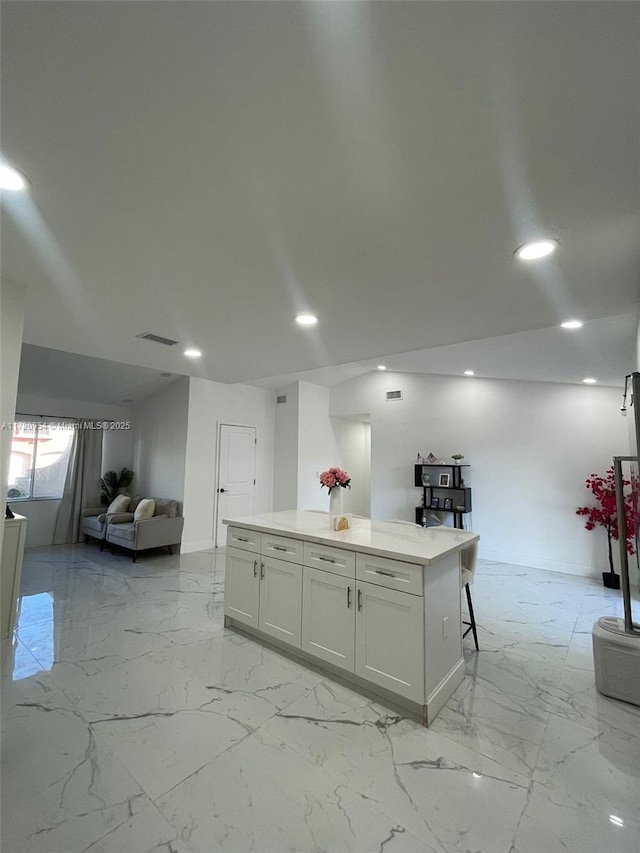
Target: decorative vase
x,y
335,504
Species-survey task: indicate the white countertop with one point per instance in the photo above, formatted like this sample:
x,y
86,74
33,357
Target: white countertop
x,y
382,538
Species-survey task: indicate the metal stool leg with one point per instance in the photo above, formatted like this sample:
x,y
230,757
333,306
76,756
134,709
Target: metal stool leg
x,y
472,623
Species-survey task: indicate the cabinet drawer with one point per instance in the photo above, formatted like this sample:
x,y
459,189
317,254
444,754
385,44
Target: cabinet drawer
x,y
394,574
247,540
330,559
282,548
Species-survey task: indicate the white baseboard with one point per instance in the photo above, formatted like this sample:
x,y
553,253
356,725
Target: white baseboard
x,y
197,545
538,563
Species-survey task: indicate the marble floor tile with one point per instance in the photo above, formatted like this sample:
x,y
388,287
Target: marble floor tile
x,y
262,795
410,773
134,722
584,795
61,790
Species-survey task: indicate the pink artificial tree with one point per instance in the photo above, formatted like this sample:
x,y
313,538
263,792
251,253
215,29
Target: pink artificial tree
x,y
606,514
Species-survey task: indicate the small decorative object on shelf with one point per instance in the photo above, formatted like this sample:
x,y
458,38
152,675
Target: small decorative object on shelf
x,y
426,479
431,459
443,482
342,522
435,503
606,515
448,503
457,458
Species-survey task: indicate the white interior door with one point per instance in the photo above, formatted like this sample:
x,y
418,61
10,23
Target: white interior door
x,y
236,475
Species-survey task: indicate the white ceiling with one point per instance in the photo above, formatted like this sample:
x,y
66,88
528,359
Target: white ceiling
x,y
66,376
205,170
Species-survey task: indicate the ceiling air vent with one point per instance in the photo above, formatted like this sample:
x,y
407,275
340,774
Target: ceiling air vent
x,y
393,395
282,398
157,339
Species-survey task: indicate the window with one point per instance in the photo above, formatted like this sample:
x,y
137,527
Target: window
x,y
39,458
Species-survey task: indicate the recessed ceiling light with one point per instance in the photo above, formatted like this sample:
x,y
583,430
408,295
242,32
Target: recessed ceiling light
x,y
572,324
615,820
382,367
589,380
306,319
536,250
192,353
11,179
469,373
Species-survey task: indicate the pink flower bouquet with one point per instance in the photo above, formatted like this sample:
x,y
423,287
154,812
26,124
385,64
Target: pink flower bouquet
x,y
335,477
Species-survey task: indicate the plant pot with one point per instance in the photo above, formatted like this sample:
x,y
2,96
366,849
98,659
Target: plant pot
x,y
611,580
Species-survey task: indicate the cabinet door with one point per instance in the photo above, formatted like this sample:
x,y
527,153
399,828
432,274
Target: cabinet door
x,y
328,617
242,586
390,639
281,600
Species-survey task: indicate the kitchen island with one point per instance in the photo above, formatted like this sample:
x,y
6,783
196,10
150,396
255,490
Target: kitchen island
x,y
377,605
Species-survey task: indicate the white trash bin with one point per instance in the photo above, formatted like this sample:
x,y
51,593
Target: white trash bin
x,y
616,659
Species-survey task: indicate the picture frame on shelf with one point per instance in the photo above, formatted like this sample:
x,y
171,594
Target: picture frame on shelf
x,y
448,503
444,480
435,503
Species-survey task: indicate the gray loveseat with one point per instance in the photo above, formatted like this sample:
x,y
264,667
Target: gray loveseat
x,y
163,530
94,523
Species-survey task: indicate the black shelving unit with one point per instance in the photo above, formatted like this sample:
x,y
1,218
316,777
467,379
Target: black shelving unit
x,y
445,484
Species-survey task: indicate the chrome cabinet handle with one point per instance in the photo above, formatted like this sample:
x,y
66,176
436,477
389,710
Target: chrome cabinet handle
x,y
359,599
348,597
326,559
255,568
278,548
241,539
261,570
386,574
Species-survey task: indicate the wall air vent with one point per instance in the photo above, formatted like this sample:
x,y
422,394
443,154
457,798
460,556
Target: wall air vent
x,y
393,395
282,398
157,339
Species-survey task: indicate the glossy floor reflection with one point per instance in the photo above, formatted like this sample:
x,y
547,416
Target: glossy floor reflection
x,y
133,722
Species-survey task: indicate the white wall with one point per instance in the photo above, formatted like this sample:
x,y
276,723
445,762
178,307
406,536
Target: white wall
x,y
353,439
531,446
160,442
12,296
285,485
117,452
211,403
317,447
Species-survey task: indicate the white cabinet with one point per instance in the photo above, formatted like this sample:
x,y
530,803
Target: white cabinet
x,y
281,600
242,586
263,593
328,617
390,640
15,531
391,624
365,628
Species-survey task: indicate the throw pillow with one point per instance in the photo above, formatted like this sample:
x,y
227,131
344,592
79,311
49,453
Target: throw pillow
x,y
119,504
145,509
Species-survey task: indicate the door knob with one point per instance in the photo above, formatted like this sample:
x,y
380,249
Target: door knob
x,y
223,490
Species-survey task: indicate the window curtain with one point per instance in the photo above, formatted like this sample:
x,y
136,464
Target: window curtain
x,y
81,487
